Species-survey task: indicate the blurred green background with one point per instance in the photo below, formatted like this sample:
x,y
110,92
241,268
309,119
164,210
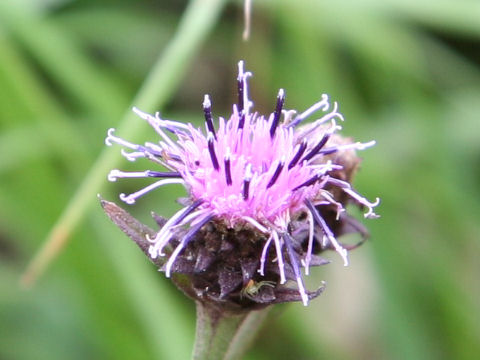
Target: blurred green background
x,y
406,73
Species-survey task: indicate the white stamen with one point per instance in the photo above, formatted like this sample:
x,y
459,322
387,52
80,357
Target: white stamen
x,y
356,146
115,174
281,265
338,248
247,104
193,217
172,259
167,225
133,155
340,183
324,168
171,123
255,224
206,102
332,201
370,205
331,115
302,291
264,256
183,243
157,160
328,233
156,148
163,237
112,138
155,122
323,104
308,257
130,199
333,128
240,68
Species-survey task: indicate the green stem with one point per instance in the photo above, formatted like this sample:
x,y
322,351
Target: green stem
x,y
223,336
197,21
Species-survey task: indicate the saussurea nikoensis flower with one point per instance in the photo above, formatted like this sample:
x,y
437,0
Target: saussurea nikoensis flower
x,y
265,193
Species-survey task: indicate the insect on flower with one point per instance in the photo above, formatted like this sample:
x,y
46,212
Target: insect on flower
x,y
261,173
252,287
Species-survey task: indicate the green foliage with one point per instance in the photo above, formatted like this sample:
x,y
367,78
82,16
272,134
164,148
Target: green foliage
x,y
405,73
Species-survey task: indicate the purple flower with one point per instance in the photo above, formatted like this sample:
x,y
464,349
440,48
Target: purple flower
x,y
254,172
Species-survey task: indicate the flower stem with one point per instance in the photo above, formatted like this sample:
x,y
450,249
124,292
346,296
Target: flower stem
x,y
224,336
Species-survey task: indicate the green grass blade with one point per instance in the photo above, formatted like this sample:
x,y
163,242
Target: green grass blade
x,y
198,20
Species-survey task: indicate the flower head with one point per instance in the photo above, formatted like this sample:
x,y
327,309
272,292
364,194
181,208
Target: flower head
x,y
265,176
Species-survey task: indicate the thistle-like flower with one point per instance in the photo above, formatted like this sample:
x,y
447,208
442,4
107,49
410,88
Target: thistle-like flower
x,y
264,194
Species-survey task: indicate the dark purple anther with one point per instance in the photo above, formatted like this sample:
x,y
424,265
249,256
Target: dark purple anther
x,y
211,150
207,109
173,157
278,112
287,239
149,150
328,151
298,155
246,185
241,87
309,182
241,95
194,229
276,174
228,174
241,121
159,174
340,183
317,148
246,181
318,219
184,242
188,211
240,84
